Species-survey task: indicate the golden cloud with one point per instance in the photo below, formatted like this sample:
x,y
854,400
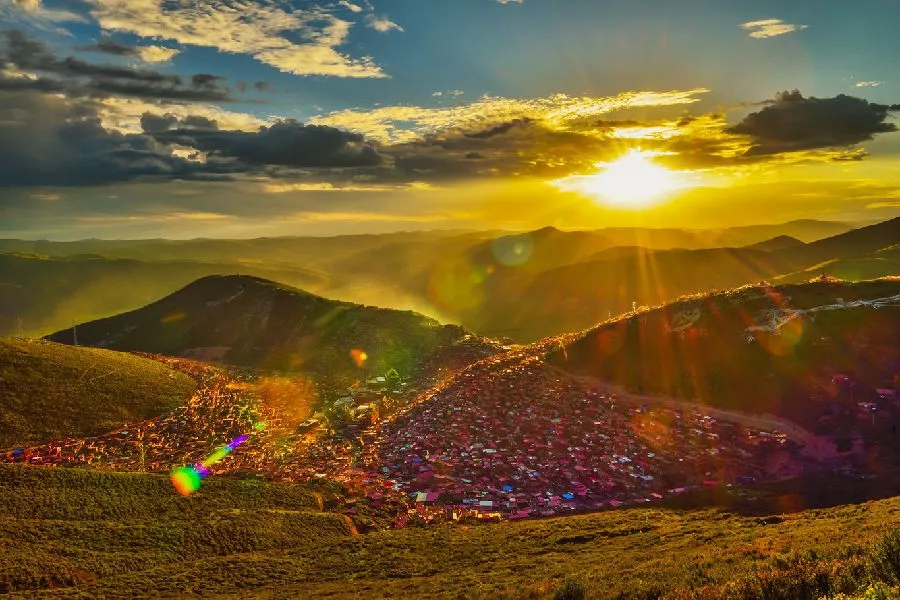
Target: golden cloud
x,y
244,28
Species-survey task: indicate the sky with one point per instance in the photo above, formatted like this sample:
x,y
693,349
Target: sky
x,y
250,118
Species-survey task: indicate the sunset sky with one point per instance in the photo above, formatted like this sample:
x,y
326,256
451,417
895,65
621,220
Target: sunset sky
x,y
247,118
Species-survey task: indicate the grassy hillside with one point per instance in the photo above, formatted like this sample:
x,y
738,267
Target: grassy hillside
x,y
248,539
253,322
50,391
61,527
758,349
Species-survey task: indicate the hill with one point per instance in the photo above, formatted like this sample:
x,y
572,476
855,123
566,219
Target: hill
x,y
51,391
44,293
782,242
253,322
72,533
809,352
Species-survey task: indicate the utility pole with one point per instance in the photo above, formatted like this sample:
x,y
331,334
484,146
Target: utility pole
x,y
74,335
20,328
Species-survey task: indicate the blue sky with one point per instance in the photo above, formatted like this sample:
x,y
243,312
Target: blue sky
x,y
405,83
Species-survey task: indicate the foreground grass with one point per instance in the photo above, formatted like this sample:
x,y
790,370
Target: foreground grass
x,y
65,527
51,391
73,533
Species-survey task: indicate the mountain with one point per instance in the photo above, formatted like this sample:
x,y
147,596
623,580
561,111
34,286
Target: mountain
x,y
760,349
52,391
522,286
781,242
42,293
249,321
852,244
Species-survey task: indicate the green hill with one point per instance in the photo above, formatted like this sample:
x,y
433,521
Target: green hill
x,y
85,534
51,391
760,349
253,322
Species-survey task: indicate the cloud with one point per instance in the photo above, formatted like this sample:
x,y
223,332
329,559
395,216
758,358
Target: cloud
x,y
408,123
299,41
48,140
35,13
509,1
861,84
150,54
285,143
350,6
156,54
381,24
124,114
325,186
77,77
767,28
793,123
52,140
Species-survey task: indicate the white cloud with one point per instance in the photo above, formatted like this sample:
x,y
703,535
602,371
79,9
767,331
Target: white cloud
x,y
770,28
350,6
298,41
155,54
868,83
381,24
510,1
407,123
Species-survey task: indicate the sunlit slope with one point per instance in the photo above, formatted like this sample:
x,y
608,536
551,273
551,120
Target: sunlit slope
x,y
246,539
758,348
50,391
253,322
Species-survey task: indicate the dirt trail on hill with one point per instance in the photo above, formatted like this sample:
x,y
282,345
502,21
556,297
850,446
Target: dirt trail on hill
x,y
816,447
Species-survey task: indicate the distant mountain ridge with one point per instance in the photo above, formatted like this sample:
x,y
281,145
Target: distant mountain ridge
x,y
249,321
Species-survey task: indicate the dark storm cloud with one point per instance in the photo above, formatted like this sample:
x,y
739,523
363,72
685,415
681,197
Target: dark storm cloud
x,y
151,123
287,143
48,140
77,77
794,123
499,129
111,47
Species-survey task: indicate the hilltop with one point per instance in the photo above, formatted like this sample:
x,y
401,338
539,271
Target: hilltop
x,y
252,322
809,352
51,391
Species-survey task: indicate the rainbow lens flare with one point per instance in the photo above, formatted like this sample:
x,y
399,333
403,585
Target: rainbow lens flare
x,y
187,479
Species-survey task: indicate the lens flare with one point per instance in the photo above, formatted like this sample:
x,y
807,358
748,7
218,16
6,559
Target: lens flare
x,y
359,357
187,479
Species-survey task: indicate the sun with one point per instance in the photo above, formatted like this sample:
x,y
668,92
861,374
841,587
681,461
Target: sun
x,y
632,181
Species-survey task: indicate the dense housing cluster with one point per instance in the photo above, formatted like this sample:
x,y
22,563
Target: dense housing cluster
x,y
507,437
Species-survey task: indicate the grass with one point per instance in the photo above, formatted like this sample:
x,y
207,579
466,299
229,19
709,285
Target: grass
x,y
63,527
52,391
103,534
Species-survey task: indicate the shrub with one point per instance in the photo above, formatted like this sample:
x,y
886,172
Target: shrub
x,y
572,589
886,558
